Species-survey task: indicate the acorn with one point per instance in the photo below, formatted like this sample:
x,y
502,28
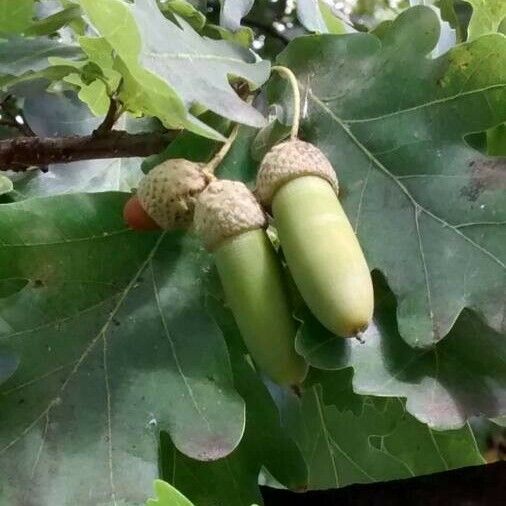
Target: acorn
x,y
297,182
136,217
232,225
167,195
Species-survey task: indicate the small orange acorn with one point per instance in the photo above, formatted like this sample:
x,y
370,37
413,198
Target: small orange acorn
x,y
135,216
166,195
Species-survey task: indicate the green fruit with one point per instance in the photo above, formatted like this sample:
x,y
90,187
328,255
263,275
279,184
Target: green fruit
x,y
320,246
231,224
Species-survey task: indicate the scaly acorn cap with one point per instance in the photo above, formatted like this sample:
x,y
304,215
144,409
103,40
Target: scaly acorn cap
x,y
290,160
226,209
168,192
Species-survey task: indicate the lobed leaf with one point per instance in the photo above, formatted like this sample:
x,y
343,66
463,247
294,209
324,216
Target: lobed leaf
x,y
115,345
349,439
463,376
185,10
232,11
52,23
486,18
152,50
428,209
317,16
167,496
20,56
265,442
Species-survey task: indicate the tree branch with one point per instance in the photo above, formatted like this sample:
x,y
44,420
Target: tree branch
x,y
20,153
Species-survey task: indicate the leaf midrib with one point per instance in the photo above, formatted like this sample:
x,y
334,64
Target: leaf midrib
x,y
194,56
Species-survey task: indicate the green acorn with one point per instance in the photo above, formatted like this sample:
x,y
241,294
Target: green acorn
x,y
298,183
232,224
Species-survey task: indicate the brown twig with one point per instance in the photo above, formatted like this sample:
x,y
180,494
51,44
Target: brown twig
x,y
110,118
20,153
10,119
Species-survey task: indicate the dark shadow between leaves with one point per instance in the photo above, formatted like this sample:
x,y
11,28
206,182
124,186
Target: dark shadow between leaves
x,y
472,367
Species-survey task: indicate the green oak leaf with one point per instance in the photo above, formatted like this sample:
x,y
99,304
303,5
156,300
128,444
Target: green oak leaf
x,y
15,16
428,209
378,442
185,10
310,16
232,11
454,12
317,16
94,94
20,56
98,50
52,23
333,23
496,140
151,51
265,442
115,345
243,36
463,376
207,64
142,91
167,495
486,18
94,77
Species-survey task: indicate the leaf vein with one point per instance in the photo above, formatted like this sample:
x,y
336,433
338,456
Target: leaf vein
x,y
421,106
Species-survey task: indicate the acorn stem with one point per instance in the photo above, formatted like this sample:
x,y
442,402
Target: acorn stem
x,y
216,160
288,74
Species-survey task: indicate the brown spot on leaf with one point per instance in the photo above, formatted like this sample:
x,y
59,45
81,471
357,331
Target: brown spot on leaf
x,y
486,175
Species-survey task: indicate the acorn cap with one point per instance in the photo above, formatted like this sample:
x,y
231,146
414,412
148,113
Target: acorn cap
x,y
226,209
290,160
168,192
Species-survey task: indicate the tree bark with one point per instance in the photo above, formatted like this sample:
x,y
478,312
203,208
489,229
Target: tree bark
x,y
20,153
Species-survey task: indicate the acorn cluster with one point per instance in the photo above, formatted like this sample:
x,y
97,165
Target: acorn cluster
x,y
297,185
